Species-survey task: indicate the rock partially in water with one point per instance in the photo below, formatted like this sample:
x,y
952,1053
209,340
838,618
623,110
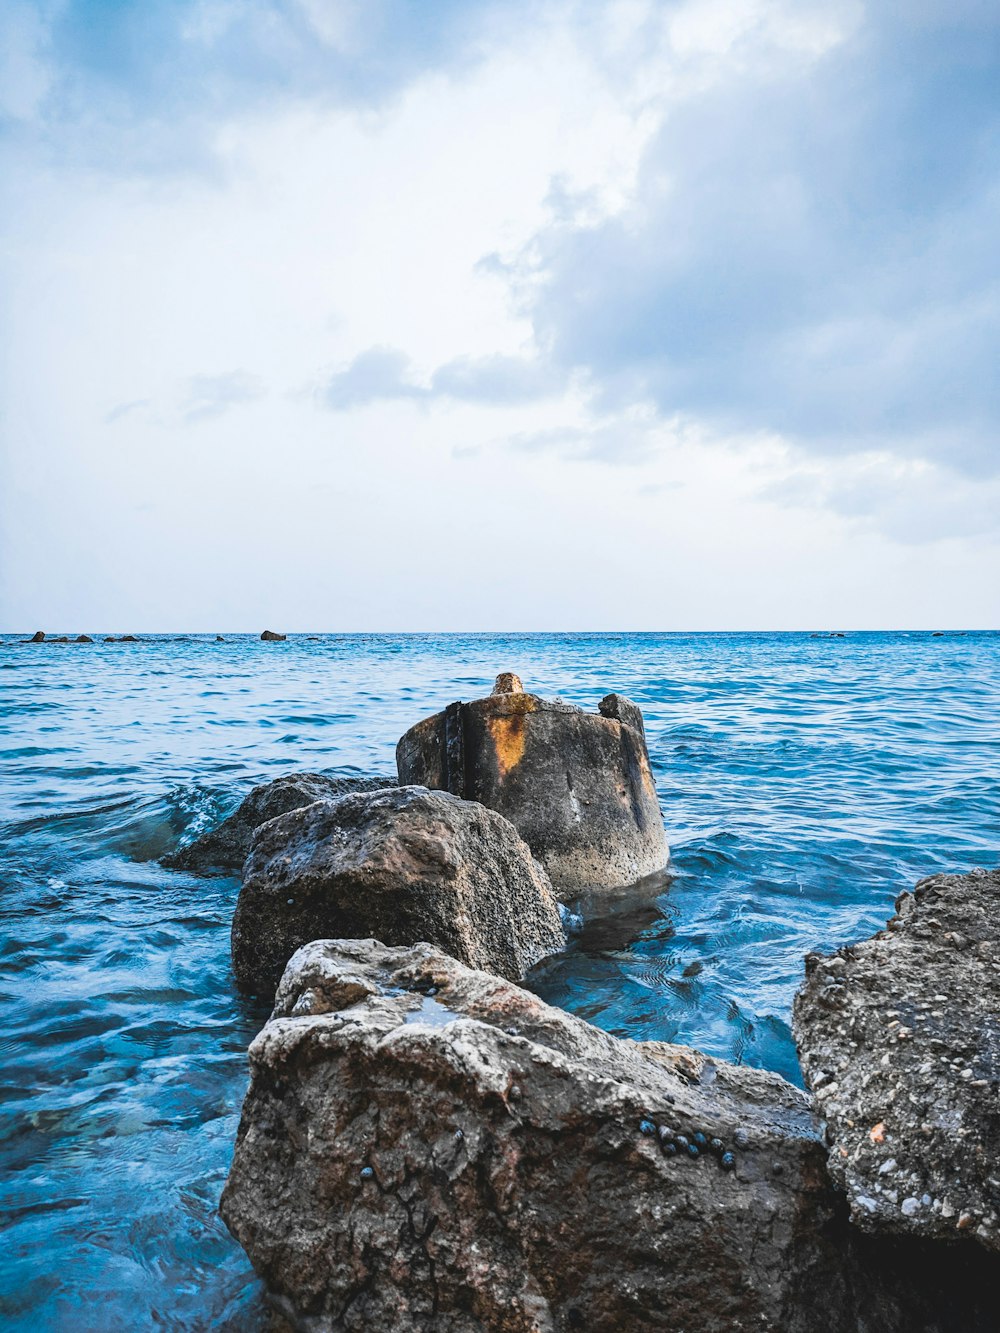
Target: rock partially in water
x,y
402,865
269,636
226,848
577,786
37,637
899,1039
84,638
426,1147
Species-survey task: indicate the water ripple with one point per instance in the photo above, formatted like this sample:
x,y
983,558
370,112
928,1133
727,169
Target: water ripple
x,y
804,783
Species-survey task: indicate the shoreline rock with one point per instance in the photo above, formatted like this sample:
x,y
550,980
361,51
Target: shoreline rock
x,y
269,636
577,786
899,1040
426,1147
405,864
225,848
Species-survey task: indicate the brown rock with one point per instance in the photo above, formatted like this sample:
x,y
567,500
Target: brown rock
x,y
269,636
426,1148
404,865
899,1038
577,786
226,848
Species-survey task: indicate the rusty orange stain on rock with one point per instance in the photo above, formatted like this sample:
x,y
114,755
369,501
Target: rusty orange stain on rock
x,y
877,1132
507,732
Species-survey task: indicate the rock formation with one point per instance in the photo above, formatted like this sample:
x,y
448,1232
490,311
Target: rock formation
x,y
269,636
84,638
227,847
899,1039
37,637
425,1147
577,786
402,865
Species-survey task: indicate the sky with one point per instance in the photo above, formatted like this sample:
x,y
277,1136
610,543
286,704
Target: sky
x,y
374,315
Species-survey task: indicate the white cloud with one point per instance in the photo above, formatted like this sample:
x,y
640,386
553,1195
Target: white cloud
x,y
484,480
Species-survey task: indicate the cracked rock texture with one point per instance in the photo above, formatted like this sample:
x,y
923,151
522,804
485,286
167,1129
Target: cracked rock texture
x,y
427,1147
226,848
404,865
899,1039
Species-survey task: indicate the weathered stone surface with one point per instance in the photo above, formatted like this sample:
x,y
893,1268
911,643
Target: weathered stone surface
x,y
84,638
577,786
899,1039
37,637
269,636
426,1147
403,865
226,848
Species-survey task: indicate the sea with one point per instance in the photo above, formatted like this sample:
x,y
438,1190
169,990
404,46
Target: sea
x,y
805,780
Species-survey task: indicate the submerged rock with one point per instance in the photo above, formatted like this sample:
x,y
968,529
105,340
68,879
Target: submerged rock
x,y
425,1147
577,786
403,865
226,848
899,1039
269,636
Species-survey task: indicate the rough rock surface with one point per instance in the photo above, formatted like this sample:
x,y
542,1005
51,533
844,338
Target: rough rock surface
x,y
577,786
899,1039
403,865
227,847
426,1147
269,636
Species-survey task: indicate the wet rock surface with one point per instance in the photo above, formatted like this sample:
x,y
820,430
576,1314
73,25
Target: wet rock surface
x,y
427,1147
226,848
577,786
404,865
899,1038
269,636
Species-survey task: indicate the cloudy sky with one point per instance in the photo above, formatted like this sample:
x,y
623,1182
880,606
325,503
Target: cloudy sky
x,y
482,314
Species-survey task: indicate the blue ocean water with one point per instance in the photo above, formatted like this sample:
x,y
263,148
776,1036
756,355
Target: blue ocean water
x,y
804,782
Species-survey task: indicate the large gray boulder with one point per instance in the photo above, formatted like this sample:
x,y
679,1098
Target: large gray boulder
x,y
577,786
427,1147
899,1039
404,865
226,848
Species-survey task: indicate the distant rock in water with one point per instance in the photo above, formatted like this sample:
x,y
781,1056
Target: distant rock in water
x,y
84,638
37,637
401,865
577,786
128,638
899,1039
226,848
426,1149
269,636
219,639
59,638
